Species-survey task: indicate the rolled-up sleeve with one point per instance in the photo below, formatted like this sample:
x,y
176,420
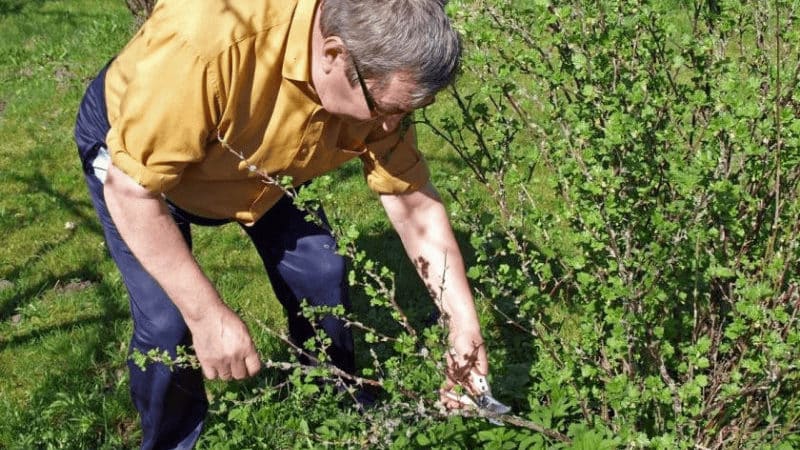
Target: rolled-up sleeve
x,y
167,107
393,165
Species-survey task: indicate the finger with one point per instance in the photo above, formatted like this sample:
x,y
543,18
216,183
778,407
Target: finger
x,y
239,369
451,404
452,400
224,373
448,401
208,371
253,364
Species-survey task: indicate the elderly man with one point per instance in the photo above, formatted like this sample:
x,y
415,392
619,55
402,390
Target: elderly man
x,y
211,97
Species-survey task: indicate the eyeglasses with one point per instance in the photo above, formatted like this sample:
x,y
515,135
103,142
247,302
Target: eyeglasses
x,y
367,96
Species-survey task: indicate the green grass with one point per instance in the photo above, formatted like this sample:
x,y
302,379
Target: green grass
x,y
63,313
64,323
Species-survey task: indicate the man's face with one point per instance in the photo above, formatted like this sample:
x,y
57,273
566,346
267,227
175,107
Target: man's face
x,y
390,104
364,101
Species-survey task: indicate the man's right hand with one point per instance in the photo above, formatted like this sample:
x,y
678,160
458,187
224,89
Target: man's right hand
x,y
223,346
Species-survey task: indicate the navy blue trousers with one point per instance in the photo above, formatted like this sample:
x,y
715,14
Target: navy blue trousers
x,y
300,260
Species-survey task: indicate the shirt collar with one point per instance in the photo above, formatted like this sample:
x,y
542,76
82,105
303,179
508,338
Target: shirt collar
x,y
297,61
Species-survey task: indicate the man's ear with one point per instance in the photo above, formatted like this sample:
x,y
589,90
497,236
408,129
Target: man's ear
x,y
333,52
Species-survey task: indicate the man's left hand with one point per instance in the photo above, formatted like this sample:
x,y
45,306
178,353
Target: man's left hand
x,y
467,365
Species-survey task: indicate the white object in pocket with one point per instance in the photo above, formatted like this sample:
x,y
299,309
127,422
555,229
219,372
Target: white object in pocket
x,y
100,164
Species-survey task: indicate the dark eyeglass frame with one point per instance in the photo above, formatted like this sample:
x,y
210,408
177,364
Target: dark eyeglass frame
x,y
367,95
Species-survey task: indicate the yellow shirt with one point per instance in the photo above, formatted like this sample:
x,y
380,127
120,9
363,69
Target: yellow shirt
x,y
201,70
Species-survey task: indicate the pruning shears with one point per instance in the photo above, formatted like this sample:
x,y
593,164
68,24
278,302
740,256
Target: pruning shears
x,y
482,400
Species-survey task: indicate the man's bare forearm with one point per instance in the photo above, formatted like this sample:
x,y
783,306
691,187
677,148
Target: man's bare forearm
x,y
220,338
151,234
421,221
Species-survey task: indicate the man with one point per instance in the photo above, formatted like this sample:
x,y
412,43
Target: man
x,y
207,100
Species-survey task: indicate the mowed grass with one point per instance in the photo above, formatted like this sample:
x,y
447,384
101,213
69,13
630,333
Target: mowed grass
x,y
63,313
64,324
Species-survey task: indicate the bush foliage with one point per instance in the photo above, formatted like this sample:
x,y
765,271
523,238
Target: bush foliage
x,y
634,210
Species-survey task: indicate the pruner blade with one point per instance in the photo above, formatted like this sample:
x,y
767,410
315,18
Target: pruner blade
x,y
482,400
488,403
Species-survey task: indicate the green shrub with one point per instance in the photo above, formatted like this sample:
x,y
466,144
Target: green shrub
x,y
634,213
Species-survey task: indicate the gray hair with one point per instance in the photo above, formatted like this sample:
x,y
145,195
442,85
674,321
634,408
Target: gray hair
x,y
412,38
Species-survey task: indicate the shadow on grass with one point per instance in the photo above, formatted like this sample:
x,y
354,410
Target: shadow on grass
x,y
111,311
38,182
9,7
20,297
